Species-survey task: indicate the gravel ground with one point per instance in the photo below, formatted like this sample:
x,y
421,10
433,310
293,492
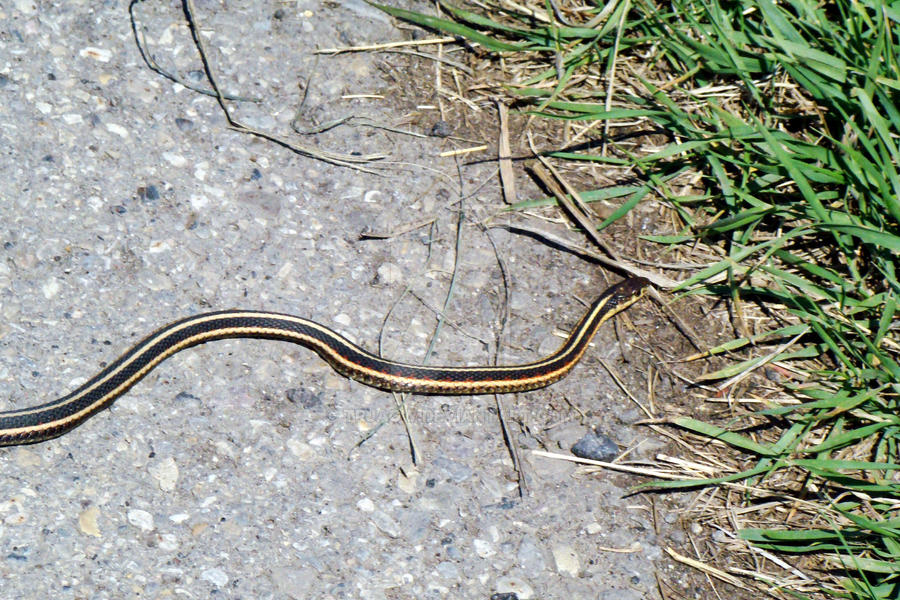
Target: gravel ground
x,y
248,469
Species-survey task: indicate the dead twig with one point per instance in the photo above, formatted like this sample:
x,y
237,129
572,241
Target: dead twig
x,y
344,160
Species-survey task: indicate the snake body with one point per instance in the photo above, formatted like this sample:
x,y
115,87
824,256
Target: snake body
x,y
54,418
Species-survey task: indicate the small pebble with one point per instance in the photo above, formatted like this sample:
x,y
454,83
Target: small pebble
x,y
595,446
301,450
50,288
148,193
386,524
407,481
483,548
453,552
165,472
98,54
567,561
304,397
118,130
26,7
440,129
176,160
168,542
141,519
87,521
217,577
16,518
389,273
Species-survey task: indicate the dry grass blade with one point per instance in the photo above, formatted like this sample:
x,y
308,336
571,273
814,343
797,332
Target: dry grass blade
x,y
708,569
463,151
587,226
644,471
141,42
504,156
656,279
386,46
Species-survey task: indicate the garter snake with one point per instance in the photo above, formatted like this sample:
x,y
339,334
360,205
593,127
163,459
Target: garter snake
x,y
38,423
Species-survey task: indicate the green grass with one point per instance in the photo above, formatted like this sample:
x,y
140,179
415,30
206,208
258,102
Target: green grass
x,y
798,191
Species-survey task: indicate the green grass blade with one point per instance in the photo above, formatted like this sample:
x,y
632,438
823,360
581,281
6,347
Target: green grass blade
x,y
452,28
729,437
